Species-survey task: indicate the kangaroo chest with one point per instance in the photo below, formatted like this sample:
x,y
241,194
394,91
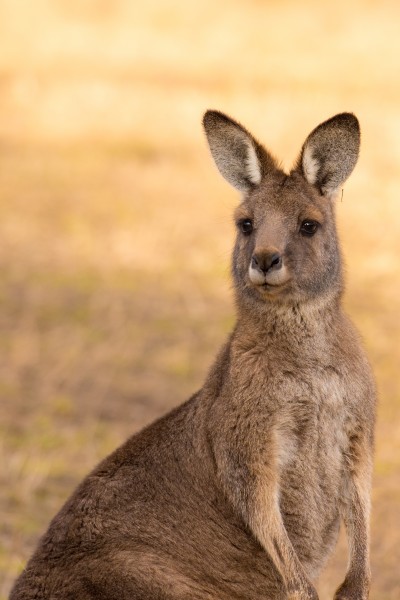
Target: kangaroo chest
x,y
311,417
311,424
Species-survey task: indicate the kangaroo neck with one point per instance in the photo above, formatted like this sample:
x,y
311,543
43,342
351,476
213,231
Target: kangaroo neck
x,y
304,327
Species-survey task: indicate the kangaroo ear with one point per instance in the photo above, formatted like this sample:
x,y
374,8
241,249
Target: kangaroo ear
x,y
239,157
330,153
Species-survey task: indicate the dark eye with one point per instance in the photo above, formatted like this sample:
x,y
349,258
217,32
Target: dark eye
x,y
246,226
309,227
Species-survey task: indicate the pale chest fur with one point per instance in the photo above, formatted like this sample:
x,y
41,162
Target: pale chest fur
x,y
310,416
312,425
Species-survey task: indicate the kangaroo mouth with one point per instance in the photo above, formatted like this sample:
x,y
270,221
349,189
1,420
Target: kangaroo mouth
x,y
267,288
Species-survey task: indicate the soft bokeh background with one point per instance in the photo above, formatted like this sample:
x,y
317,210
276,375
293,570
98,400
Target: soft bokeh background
x,y
115,227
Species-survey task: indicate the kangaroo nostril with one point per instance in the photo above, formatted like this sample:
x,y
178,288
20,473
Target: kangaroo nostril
x,y
276,261
266,261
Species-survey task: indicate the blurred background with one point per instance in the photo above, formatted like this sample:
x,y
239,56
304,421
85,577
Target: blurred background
x,y
116,229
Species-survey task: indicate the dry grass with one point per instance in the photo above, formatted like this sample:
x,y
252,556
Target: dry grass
x,y
115,229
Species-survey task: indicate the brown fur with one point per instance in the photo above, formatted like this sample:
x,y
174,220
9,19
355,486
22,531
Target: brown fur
x,y
239,492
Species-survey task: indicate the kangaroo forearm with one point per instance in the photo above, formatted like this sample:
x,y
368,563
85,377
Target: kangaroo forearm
x,y
356,515
268,527
356,518
259,508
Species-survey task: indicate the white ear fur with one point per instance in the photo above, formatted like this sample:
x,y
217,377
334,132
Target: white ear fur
x,y
252,165
310,165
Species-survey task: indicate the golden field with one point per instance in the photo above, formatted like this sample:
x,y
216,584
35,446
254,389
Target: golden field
x,y
116,229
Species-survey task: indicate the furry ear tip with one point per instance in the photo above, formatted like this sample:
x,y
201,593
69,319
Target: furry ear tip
x,y
350,117
212,117
346,116
348,121
208,116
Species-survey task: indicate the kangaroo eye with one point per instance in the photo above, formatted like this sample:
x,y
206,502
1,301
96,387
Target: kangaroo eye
x,y
246,226
309,227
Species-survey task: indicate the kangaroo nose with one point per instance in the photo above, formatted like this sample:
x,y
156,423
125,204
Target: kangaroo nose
x,y
266,261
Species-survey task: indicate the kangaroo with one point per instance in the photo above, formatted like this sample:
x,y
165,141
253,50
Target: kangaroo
x,y
239,493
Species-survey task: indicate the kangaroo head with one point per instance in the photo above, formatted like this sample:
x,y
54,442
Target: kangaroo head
x,y
286,248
